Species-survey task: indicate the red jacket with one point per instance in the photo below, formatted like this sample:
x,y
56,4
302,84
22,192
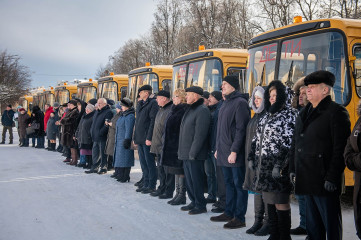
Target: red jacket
x,y
47,116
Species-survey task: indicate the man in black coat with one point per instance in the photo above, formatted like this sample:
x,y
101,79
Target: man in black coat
x,y
99,132
230,152
166,180
316,157
193,148
144,123
210,166
8,124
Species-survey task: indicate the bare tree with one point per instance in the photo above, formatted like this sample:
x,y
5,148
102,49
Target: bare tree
x,y
15,78
309,8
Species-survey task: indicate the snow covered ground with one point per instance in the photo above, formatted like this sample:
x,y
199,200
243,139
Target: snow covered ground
x,y
43,198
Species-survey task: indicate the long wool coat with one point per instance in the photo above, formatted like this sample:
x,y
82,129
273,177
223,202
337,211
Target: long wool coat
x,y
51,129
69,123
169,156
124,130
23,124
82,133
109,147
37,118
319,141
272,141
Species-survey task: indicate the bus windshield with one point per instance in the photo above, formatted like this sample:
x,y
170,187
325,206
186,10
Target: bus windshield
x,y
87,93
62,96
148,79
206,74
298,57
110,90
132,87
50,99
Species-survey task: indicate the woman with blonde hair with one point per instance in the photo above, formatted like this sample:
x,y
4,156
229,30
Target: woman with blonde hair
x,y
169,156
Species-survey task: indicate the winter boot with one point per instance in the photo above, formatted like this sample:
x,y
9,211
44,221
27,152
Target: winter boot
x,y
74,156
264,230
284,224
176,189
181,199
110,163
116,173
125,177
273,222
258,213
89,161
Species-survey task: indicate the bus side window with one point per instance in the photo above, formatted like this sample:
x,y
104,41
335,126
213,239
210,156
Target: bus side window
x,y
167,85
357,67
123,91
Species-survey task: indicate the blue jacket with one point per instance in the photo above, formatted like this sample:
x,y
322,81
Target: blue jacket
x,y
7,118
99,130
124,130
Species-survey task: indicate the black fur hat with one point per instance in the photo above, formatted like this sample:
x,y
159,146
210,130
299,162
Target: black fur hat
x,y
195,89
164,93
321,76
280,99
145,87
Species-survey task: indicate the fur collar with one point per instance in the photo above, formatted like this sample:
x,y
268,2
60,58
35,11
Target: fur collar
x,y
129,111
89,115
197,103
169,103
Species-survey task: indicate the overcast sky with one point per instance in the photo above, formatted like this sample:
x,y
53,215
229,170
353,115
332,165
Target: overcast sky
x,y
63,39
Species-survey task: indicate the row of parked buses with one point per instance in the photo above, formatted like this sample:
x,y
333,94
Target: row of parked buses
x,y
286,53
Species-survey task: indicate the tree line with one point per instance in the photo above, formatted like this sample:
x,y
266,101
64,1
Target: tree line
x,y
180,26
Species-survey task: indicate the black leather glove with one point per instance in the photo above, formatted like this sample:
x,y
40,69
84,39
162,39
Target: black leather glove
x,y
127,143
329,186
250,164
276,172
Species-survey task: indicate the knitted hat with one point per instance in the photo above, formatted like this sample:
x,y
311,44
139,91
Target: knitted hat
x,y
321,76
21,109
217,95
56,104
205,94
90,107
164,93
195,89
233,81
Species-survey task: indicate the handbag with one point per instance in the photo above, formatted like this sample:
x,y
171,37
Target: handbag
x,y
35,126
30,131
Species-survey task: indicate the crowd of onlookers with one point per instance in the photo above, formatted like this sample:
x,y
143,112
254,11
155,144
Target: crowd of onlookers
x,y
298,140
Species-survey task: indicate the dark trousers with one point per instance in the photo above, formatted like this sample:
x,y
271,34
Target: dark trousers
x,y
25,142
99,156
323,216
166,180
41,142
194,172
5,129
221,187
302,210
236,197
148,166
210,169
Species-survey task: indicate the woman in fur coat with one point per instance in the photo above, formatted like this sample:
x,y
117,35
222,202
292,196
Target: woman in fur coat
x,y
268,157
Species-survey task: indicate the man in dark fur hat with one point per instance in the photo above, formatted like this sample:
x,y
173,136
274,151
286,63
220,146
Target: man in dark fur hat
x,y
316,158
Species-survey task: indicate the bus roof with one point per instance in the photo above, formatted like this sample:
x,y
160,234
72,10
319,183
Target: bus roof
x,y
226,54
152,68
352,27
117,77
68,87
88,83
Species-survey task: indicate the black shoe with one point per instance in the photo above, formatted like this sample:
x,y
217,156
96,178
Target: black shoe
x,y
141,189
91,171
196,211
221,218
217,210
180,200
188,207
148,190
298,231
80,164
263,231
256,226
234,223
156,193
11,142
2,142
139,182
210,200
165,196
103,171
114,175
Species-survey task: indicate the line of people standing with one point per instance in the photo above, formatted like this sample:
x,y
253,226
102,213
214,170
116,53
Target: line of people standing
x,y
199,139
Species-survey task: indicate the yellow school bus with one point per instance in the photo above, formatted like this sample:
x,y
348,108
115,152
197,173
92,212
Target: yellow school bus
x,y
46,97
64,92
36,93
87,90
296,50
26,102
207,67
113,87
157,76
